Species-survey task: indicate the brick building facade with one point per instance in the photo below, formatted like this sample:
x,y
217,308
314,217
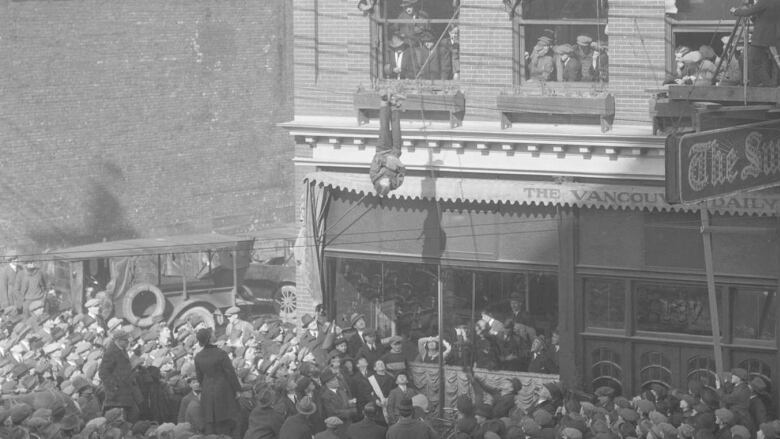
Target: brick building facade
x,y
547,191
142,118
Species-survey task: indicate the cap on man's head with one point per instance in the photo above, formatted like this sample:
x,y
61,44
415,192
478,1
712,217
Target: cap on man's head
x,y
571,433
36,304
92,303
333,422
740,372
406,408
233,310
584,40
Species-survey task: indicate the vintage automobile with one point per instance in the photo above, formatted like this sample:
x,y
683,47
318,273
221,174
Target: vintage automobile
x,y
177,277
273,280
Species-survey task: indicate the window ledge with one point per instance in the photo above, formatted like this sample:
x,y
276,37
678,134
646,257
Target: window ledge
x,y
598,104
450,101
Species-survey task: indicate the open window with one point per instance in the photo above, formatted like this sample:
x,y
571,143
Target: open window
x,y
415,40
562,41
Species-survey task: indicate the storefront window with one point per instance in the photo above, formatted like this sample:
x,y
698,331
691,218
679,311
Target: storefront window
x,y
512,308
754,312
605,303
681,309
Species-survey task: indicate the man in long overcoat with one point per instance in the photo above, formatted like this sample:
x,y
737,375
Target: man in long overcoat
x,y
219,385
118,377
299,425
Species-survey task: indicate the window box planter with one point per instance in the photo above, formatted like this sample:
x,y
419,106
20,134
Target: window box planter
x,y
601,105
425,104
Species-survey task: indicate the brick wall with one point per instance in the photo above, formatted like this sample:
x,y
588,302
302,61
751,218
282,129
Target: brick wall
x,y
143,117
332,46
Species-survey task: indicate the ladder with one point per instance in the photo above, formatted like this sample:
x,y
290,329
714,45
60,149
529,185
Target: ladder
x,y
740,30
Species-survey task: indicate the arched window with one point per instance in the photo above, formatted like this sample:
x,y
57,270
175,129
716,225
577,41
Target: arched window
x,y
702,368
654,367
606,369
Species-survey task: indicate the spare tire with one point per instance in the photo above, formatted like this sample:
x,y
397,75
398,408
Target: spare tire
x,y
132,312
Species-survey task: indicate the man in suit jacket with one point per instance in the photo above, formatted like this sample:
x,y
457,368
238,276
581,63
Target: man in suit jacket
x,y
8,273
118,377
399,61
264,421
571,69
219,385
367,428
299,425
766,14
334,399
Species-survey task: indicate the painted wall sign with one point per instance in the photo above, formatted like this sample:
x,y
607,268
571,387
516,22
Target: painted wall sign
x,y
711,164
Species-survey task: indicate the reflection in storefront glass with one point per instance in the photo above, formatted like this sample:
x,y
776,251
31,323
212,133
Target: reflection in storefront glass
x,y
515,310
754,313
605,303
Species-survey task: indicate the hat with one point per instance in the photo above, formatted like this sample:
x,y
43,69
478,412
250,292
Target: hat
x,y
629,415
36,304
707,52
327,375
758,384
20,412
92,303
355,317
333,422
406,408
306,319
395,339
571,433
740,432
396,42
665,430
740,372
563,49
405,3
547,40
725,415
692,57
265,398
421,401
584,40
232,310
686,430
114,323
543,418
605,391
306,406
426,36
645,406
657,417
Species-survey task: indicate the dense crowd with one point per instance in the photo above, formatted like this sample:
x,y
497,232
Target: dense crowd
x,y
67,375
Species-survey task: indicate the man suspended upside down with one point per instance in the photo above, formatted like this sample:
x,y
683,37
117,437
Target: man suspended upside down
x,y
387,171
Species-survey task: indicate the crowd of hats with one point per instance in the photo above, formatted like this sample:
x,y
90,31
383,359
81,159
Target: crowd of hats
x,y
51,388
659,412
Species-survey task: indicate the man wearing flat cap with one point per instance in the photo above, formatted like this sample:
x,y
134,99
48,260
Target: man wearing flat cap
x,y
408,427
759,401
570,69
118,377
585,54
738,399
332,425
540,62
238,331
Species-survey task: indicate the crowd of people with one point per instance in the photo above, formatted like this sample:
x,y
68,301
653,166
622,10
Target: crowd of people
x,y
583,60
68,375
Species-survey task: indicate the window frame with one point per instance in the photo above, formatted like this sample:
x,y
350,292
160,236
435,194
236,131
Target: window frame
x,y
674,26
519,25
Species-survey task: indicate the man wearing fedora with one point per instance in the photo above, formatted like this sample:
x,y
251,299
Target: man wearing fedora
x,y
358,340
118,377
335,401
219,385
264,421
417,21
398,65
299,425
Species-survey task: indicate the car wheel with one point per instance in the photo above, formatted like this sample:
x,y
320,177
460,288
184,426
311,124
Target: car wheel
x,y
286,299
200,313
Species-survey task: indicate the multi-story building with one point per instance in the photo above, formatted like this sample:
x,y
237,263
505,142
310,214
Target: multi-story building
x,y
529,179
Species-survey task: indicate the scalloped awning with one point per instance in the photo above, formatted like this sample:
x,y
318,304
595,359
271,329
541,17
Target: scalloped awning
x,y
479,190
